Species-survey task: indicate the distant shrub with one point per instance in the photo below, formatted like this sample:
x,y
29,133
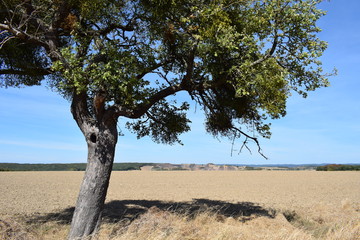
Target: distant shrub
x,y
179,169
338,167
157,168
252,168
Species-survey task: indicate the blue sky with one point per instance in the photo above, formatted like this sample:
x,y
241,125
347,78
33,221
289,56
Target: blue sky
x,y
36,125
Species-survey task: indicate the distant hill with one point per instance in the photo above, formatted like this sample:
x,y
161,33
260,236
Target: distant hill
x,y
179,167
223,167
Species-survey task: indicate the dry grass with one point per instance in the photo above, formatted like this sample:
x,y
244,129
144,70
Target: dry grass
x,y
157,224
189,205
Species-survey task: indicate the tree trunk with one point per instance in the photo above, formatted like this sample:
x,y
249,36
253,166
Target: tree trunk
x,y
101,142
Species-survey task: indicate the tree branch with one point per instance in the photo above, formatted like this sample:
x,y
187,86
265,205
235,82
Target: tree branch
x,y
30,10
149,70
253,139
267,55
99,103
7,38
23,35
28,20
186,81
185,85
142,109
111,27
79,109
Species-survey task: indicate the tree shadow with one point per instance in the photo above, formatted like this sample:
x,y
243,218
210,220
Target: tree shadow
x,y
126,211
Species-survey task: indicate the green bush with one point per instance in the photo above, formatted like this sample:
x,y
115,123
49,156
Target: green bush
x,y
338,167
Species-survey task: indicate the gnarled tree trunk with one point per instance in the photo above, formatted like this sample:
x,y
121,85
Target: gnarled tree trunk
x,y
101,137
90,203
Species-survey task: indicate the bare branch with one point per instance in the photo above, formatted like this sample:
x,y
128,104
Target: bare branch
x,y
17,33
163,76
245,145
246,140
7,38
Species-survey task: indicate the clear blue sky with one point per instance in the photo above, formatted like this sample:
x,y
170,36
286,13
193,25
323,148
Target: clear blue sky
x,y
36,125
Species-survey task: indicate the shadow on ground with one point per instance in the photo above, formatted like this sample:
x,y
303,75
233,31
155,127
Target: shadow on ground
x,y
129,210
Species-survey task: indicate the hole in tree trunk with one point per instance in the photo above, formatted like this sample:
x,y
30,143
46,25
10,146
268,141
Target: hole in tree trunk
x,y
93,138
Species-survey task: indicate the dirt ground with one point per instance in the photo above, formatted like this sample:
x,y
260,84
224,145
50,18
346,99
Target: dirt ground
x,y
41,192
288,205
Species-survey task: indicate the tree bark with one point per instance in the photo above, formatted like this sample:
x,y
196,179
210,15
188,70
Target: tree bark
x,y
101,140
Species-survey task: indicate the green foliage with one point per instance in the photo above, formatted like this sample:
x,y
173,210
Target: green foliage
x,y
22,57
338,167
164,123
229,38
239,60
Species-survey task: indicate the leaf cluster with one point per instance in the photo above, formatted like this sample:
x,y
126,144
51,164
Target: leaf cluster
x,y
164,123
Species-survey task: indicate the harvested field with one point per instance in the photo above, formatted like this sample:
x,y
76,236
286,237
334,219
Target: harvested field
x,y
214,204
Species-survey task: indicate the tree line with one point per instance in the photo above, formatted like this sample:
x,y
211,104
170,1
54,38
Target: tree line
x,y
66,167
338,167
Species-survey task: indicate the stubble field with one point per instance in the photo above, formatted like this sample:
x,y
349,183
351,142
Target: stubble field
x,y
189,205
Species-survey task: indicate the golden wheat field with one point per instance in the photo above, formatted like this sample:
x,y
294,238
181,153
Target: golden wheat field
x,y
189,205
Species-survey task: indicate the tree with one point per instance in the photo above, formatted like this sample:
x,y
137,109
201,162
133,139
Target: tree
x,y
238,60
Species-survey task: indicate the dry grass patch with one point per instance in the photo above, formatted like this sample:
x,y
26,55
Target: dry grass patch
x,y
10,229
20,228
160,224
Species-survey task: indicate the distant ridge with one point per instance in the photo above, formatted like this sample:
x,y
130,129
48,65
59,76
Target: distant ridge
x,y
163,167
294,165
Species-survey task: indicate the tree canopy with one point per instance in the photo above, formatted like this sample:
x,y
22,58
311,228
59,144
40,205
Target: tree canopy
x,y
238,60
